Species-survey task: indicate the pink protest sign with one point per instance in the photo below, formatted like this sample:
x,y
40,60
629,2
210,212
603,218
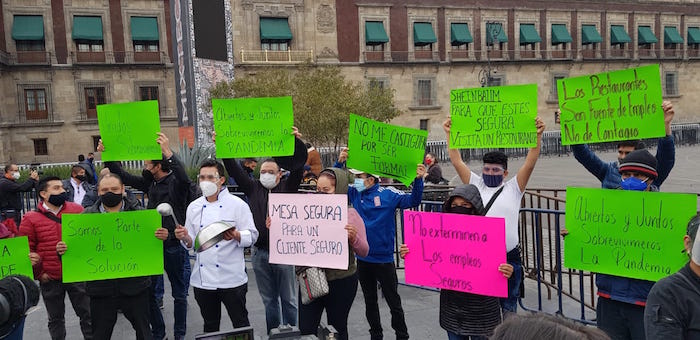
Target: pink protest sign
x,y
456,252
309,230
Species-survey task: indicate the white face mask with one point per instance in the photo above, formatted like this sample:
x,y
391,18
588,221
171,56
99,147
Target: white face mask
x,y
16,175
208,188
269,181
695,253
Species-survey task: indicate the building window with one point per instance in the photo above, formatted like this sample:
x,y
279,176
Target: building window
x,y
94,96
424,124
275,34
424,92
275,46
496,35
379,83
496,81
35,104
29,45
375,36
554,94
148,93
428,47
423,36
671,84
89,46
95,142
40,147
145,46
374,48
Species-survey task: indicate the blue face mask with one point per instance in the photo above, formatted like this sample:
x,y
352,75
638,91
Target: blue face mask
x,y
492,181
634,183
359,184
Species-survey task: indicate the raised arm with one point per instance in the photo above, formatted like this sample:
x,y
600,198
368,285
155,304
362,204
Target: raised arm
x,y
666,148
174,162
532,156
413,200
234,169
136,182
462,169
295,175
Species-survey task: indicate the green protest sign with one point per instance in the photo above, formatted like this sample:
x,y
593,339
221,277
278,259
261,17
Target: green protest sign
x,y
627,233
494,117
384,149
111,245
612,106
129,131
14,257
253,127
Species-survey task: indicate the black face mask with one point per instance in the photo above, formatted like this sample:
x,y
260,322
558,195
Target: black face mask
x,y
59,199
111,199
463,210
80,178
147,175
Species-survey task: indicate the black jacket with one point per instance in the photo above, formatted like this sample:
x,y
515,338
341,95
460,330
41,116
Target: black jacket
x,y
173,189
10,197
673,307
90,192
129,286
257,194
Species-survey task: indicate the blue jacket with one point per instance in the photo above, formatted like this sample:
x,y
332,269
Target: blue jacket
x,y
377,206
617,288
609,173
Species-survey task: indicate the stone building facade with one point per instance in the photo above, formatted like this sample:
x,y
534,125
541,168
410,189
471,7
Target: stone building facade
x,y
424,48
61,58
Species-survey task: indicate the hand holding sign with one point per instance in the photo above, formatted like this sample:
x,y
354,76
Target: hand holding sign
x,y
668,115
128,130
14,259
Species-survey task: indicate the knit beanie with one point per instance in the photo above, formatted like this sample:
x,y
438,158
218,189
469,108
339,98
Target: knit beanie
x,y
640,161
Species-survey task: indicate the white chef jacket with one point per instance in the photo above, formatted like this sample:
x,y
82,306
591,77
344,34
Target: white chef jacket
x,y
223,265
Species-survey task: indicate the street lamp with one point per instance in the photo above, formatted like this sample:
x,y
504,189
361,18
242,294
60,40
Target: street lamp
x,y
493,29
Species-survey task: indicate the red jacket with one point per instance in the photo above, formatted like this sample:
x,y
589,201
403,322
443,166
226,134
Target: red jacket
x,y
43,234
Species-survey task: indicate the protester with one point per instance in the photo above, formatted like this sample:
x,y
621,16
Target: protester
x,y
673,306
342,284
249,165
467,316
621,300
313,159
219,274
91,172
434,174
129,295
10,194
165,181
77,187
377,206
43,230
503,199
538,326
609,174
309,177
276,282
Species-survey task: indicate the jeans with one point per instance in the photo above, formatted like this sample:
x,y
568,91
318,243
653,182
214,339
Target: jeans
x,y
385,274
135,309
341,294
210,301
455,336
276,283
54,294
160,287
620,320
174,261
510,304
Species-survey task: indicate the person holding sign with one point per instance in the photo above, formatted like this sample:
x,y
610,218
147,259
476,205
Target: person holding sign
x,y
342,284
276,282
463,315
10,197
78,189
219,274
131,294
503,199
43,229
609,174
165,181
377,206
621,300
673,306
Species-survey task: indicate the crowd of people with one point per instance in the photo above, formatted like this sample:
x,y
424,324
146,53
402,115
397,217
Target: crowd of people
x,y
626,308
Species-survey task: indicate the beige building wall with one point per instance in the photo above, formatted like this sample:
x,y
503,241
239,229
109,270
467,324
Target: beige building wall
x,y
68,131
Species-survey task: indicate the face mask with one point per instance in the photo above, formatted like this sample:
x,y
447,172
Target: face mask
x,y
59,199
462,210
147,175
80,178
695,252
634,183
111,199
492,181
359,184
428,161
269,181
16,175
208,188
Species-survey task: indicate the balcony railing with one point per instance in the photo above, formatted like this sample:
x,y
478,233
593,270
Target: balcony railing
x,y
119,57
32,57
276,57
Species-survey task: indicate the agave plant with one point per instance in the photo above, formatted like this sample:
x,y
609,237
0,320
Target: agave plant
x,y
192,157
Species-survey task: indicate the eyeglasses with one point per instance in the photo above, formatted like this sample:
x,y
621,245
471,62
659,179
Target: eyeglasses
x,y
208,177
493,170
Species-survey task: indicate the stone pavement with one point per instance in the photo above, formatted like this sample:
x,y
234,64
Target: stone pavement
x,y
420,305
